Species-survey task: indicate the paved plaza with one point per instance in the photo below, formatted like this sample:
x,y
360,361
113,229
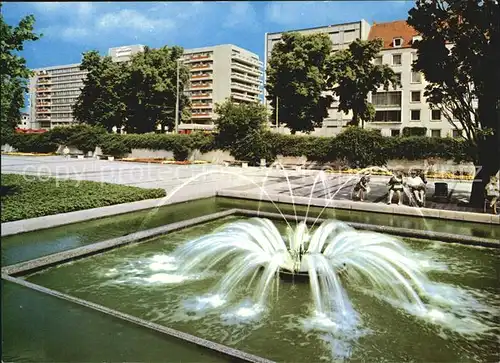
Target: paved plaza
x,y
196,181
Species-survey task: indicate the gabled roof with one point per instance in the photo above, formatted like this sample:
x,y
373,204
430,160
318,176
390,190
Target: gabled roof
x,y
394,29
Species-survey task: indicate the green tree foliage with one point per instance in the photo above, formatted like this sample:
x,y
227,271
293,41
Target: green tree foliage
x,y
100,102
459,55
352,75
296,77
13,70
151,88
240,129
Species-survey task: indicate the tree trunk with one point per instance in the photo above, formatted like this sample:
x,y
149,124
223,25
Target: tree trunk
x,y
354,120
488,150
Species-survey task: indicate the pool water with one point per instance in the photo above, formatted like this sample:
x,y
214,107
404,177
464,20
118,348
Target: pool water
x,y
141,280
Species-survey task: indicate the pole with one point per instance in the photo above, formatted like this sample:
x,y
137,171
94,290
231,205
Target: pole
x,y
277,110
177,101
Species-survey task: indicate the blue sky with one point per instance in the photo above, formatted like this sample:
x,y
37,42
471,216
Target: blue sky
x,y
72,28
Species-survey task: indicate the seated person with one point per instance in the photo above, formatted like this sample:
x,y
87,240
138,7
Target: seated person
x,y
361,188
395,185
492,193
416,186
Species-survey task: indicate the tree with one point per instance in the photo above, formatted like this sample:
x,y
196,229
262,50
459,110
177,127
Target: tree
x,y
296,81
100,102
13,70
151,89
459,54
240,128
352,75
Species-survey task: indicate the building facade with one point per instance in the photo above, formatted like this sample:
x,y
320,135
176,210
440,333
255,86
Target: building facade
x,y
54,90
219,73
406,105
341,36
25,121
396,109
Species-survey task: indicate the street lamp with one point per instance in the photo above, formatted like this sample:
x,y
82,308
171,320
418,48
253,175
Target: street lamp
x,y
177,99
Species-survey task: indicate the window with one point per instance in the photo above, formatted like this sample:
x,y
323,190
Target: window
x,y
415,96
457,134
416,77
335,38
398,79
378,60
414,57
349,36
436,133
415,115
397,42
395,132
436,115
387,116
387,99
396,59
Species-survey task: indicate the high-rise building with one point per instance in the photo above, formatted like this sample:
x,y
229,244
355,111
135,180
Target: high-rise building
x,y
397,108
218,73
53,90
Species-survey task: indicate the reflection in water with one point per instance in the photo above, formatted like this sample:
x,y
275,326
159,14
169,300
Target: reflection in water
x,y
244,259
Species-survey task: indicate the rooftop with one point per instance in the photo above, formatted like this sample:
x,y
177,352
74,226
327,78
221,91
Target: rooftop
x,y
391,30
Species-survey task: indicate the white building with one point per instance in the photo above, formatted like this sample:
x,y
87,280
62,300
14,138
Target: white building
x,y
397,108
219,73
53,90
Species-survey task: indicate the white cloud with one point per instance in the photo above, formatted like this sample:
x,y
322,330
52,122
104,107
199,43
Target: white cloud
x,y
132,20
241,14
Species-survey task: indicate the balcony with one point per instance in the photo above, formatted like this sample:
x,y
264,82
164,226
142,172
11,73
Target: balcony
x,y
243,77
243,97
197,58
199,86
198,67
38,104
244,68
43,75
245,88
44,96
202,76
42,117
201,105
44,89
201,96
247,60
201,115
41,111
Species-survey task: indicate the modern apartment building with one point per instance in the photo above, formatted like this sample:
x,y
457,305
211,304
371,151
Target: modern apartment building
x,y
397,108
53,90
219,73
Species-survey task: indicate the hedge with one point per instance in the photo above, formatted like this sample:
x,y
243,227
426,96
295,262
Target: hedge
x,y
353,147
29,197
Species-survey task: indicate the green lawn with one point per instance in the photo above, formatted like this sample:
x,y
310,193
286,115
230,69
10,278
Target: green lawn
x,y
28,197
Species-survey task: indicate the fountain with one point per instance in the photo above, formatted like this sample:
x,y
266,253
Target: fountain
x,y
331,256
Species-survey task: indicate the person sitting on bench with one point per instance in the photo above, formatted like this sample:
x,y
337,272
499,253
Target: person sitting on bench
x,y
395,185
492,193
416,186
361,188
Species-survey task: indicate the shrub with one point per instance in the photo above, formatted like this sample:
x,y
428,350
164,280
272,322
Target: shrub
x,y
361,147
85,138
414,131
36,143
114,146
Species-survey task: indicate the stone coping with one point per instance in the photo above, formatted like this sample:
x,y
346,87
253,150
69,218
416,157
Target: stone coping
x,y
56,220
365,206
236,355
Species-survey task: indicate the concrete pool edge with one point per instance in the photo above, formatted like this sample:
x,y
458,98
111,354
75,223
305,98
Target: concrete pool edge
x,y
62,219
402,210
37,264
43,262
191,339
